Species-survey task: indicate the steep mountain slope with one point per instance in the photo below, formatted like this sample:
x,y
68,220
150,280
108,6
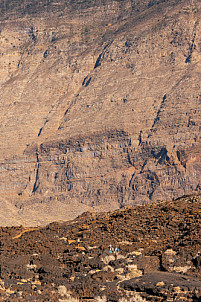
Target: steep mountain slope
x,y
100,105
158,256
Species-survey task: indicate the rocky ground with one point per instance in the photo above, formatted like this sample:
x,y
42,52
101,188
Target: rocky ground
x,y
158,257
100,106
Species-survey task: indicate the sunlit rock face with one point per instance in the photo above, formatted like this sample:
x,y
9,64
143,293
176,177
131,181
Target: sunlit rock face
x,y
100,106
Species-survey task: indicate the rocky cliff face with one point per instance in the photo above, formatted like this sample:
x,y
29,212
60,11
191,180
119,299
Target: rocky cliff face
x,y
100,106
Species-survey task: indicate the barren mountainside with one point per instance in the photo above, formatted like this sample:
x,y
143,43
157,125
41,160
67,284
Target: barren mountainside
x,y
100,106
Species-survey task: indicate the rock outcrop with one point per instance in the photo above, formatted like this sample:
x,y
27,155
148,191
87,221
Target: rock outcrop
x,y
100,106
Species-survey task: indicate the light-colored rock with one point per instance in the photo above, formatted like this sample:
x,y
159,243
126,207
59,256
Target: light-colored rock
x,y
62,290
108,258
133,271
170,252
181,269
108,268
161,283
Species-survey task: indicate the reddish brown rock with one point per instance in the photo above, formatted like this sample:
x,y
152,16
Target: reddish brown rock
x,y
100,106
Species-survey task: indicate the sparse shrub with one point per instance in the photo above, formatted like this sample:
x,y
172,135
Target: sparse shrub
x,y
62,290
100,299
69,299
66,295
135,298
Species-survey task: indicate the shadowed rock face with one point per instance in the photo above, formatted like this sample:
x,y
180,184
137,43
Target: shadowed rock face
x,y
168,285
158,256
100,106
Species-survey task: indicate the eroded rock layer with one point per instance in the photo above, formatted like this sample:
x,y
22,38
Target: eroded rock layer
x,y
100,106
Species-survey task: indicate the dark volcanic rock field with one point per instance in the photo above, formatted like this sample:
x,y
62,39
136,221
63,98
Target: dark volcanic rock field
x,y
158,257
